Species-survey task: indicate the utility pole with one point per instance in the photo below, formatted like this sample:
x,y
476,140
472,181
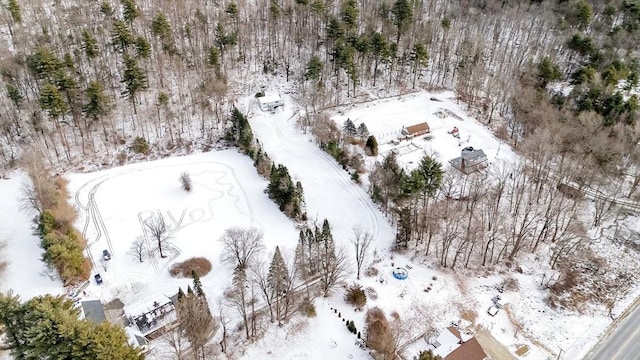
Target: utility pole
x,y
559,354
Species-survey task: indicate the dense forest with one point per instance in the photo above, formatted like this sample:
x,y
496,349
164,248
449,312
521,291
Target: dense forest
x,y
97,79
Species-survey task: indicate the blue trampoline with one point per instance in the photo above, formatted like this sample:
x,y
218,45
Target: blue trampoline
x,y
400,273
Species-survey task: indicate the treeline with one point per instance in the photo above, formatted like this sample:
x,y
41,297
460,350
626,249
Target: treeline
x,y
62,244
289,196
80,88
48,327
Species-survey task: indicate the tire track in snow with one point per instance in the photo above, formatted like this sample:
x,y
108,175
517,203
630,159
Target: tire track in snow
x,y
338,175
94,216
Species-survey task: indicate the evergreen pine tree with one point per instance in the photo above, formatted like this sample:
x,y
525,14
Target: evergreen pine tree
x,y
349,14
133,78
314,69
143,48
197,285
349,128
48,327
278,277
189,290
160,27
15,11
180,293
89,45
52,101
363,131
14,94
121,36
96,103
129,11
402,11
278,281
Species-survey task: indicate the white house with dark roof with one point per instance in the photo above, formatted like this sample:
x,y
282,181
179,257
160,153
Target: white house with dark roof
x,y
270,102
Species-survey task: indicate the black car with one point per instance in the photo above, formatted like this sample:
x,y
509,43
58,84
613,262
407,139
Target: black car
x,y
98,279
106,254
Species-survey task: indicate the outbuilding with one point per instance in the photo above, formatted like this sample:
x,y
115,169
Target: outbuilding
x,y
416,130
270,102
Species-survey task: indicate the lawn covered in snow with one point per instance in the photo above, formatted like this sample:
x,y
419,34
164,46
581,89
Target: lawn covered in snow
x,y
115,203
385,119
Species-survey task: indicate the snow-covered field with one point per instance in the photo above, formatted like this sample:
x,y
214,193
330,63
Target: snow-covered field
x,y
25,273
114,204
385,119
227,192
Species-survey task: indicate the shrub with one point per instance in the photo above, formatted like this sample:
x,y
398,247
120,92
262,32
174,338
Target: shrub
x,y
140,145
63,246
356,177
511,284
355,296
184,269
371,293
308,308
371,147
259,94
371,271
352,327
378,335
185,181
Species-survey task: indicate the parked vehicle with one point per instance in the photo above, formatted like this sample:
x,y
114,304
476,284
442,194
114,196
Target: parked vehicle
x,y
106,255
98,279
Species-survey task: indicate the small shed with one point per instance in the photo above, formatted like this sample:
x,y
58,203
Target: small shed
x,y
416,130
270,102
470,160
93,311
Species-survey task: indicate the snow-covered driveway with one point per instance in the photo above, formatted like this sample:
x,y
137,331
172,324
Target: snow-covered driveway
x,y
329,191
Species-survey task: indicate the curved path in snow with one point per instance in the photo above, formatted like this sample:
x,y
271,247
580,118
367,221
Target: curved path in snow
x,y
329,191
86,202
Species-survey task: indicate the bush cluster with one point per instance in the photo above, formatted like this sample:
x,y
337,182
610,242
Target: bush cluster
x,y
355,296
352,327
184,269
140,145
63,246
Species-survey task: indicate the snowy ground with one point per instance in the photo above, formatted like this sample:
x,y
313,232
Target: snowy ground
x,y
20,248
228,192
385,119
114,203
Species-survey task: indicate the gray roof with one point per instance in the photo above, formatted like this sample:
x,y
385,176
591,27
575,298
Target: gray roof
x,y
93,311
141,340
473,155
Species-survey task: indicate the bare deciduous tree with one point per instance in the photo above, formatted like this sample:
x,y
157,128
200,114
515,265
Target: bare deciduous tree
x,y
361,242
159,231
333,267
240,245
260,277
137,248
174,341
40,193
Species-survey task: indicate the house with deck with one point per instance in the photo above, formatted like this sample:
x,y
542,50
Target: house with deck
x,y
470,160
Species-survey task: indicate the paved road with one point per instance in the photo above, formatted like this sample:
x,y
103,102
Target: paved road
x,y
623,343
